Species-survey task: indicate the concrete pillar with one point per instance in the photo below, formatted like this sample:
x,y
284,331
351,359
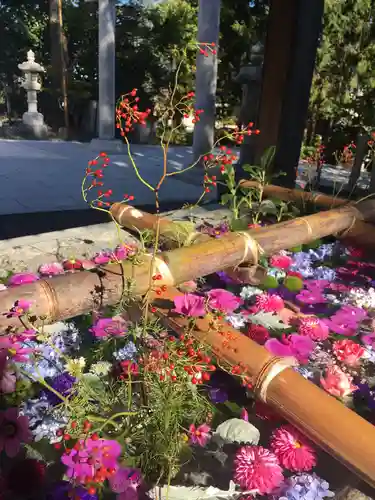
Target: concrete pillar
x,y
206,77
107,54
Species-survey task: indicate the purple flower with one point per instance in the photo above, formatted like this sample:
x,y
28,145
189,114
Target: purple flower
x,y
341,327
304,487
222,300
22,279
218,395
107,327
189,305
297,346
63,384
311,297
64,489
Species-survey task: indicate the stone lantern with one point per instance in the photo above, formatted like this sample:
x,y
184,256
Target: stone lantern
x,y
31,83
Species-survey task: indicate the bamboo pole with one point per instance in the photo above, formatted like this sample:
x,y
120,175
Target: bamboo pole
x,y
360,234
73,294
331,425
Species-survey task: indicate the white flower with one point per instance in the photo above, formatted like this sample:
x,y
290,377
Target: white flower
x,y
236,320
101,368
75,366
249,291
362,298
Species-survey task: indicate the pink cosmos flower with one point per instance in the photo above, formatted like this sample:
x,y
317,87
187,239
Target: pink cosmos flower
x,y
337,383
281,261
93,454
106,327
189,305
348,352
20,308
297,346
222,300
53,269
25,335
125,482
7,377
101,258
256,468
293,450
122,252
15,350
22,279
14,430
267,303
199,435
312,327
72,264
311,297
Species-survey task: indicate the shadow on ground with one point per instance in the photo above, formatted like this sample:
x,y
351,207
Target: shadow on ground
x,y
18,225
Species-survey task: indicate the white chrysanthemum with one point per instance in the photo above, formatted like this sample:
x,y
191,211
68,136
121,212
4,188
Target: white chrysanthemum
x,y
101,368
75,366
362,298
249,291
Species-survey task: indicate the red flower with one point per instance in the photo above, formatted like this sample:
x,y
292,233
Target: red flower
x,y
281,261
347,351
258,333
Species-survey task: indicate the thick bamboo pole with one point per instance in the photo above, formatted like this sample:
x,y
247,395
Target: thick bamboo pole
x,y
360,234
66,296
330,424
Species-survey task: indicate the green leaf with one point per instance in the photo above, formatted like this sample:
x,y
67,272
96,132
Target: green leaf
x,y
268,320
226,199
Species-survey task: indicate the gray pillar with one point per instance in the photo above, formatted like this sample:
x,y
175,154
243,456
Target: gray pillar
x,y
107,51
206,77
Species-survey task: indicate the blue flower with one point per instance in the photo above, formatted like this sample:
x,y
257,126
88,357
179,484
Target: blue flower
x,y
127,352
323,252
218,395
305,487
46,363
324,273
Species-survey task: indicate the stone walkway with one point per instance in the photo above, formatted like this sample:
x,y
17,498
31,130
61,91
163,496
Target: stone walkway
x,y
46,176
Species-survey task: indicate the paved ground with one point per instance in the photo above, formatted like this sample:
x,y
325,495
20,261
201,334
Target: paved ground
x,y
39,176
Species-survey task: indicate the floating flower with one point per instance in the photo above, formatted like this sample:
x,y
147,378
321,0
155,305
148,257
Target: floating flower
x,y
20,308
72,264
63,384
122,252
52,269
22,279
256,468
189,305
222,300
304,487
268,303
337,383
294,345
292,449
311,297
125,482
101,258
93,459
199,435
106,327
348,352
281,261
312,327
15,350
340,326
14,430
258,333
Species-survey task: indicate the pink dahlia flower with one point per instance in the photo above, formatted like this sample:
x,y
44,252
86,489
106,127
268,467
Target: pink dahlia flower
x,y
22,279
348,352
337,383
199,435
314,328
53,269
189,305
268,303
107,327
223,301
256,468
281,261
14,430
293,450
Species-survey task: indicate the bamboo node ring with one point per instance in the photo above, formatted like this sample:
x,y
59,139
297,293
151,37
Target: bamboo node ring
x,y
310,232
251,246
50,293
272,368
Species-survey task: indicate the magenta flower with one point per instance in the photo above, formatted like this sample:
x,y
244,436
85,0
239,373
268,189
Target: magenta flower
x,y
14,430
94,454
7,377
122,252
222,300
351,313
244,415
125,482
88,264
189,305
340,327
297,346
52,269
312,327
20,308
199,435
22,279
107,327
101,258
15,349
369,339
315,285
311,297
26,335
